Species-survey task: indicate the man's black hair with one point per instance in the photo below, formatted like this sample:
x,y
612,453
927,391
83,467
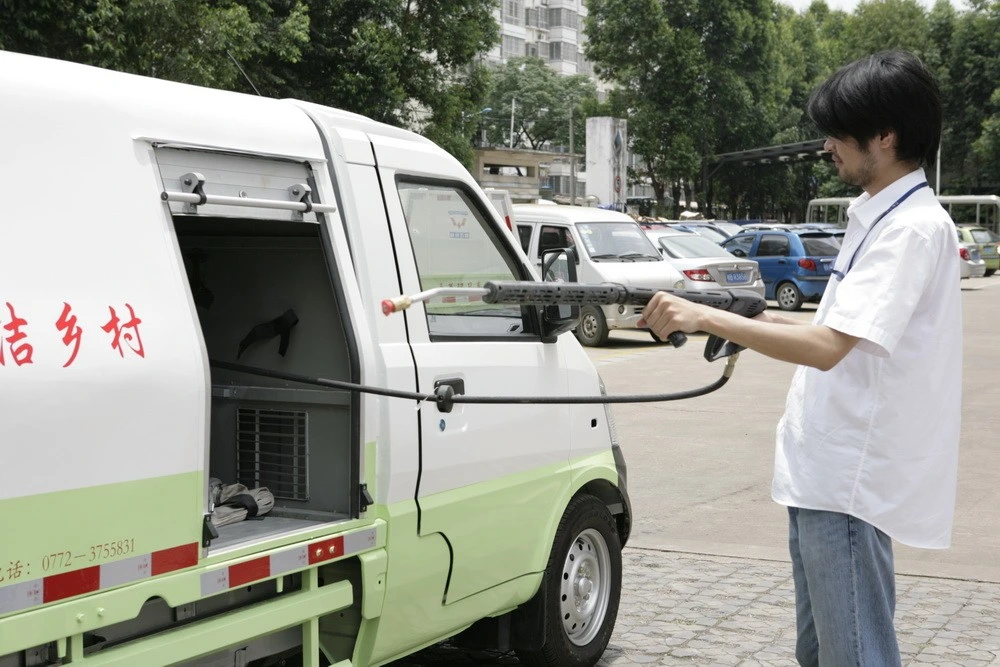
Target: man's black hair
x,y
890,90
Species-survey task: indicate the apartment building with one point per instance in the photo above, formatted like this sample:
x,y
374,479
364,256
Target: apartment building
x,y
549,29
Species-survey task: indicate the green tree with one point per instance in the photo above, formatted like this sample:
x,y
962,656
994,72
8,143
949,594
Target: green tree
x,y
878,25
655,56
541,101
193,41
403,62
973,72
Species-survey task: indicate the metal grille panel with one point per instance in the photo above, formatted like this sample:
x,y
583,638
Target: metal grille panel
x,y
272,450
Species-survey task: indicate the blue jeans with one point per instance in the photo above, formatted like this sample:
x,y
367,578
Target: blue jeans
x,y
845,591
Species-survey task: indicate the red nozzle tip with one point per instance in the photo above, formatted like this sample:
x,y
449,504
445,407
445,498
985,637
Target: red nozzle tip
x,y
387,307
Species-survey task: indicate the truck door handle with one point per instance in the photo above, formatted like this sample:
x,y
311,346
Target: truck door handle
x,y
445,389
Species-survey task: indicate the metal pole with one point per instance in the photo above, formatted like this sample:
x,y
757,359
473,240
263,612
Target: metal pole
x,y
937,173
513,101
572,161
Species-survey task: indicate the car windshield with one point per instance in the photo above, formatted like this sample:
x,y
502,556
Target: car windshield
x,y
821,246
690,245
621,240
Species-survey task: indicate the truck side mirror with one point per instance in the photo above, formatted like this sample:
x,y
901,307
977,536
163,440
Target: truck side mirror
x,y
558,265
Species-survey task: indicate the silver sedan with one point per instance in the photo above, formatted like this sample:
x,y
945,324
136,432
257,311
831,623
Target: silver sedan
x,y
705,265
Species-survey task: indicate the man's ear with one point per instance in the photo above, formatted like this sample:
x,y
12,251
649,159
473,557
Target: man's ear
x,y
886,140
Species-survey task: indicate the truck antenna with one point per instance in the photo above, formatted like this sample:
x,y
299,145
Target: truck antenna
x,y
236,62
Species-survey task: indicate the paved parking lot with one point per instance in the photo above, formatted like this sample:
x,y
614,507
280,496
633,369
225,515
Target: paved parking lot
x,y
707,580
685,609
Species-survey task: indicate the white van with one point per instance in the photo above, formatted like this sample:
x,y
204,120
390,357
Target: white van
x,y
611,247
214,448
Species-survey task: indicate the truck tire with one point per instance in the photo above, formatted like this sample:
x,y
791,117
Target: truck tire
x,y
593,328
582,588
788,296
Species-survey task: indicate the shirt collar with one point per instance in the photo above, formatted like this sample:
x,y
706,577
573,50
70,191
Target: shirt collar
x,y
865,209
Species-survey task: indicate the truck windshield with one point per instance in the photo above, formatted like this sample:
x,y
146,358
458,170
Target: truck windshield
x,y
617,241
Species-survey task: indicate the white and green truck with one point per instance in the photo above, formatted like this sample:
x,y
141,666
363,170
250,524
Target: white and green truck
x,y
181,267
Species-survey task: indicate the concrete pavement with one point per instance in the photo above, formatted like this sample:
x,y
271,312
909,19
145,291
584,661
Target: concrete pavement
x,y
706,574
685,609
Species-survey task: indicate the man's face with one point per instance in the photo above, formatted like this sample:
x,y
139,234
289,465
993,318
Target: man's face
x,y
855,162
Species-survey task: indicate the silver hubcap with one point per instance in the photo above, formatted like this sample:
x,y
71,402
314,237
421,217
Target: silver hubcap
x,y
786,296
586,587
589,326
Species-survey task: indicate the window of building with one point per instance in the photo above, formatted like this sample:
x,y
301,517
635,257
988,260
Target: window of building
x,y
512,46
562,51
513,12
564,18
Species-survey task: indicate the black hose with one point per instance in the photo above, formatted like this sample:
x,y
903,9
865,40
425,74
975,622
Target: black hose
x,y
445,395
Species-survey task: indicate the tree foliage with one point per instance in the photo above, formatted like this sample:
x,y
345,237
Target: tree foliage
x,y
399,61
697,78
542,103
694,78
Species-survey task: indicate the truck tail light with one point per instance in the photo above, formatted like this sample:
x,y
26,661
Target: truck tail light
x,y
964,254
807,264
698,274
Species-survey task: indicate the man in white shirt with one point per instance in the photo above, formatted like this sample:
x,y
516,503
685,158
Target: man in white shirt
x,y
867,450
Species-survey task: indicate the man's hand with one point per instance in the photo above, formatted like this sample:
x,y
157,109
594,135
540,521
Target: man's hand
x,y
665,314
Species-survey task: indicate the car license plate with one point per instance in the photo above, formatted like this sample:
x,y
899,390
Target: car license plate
x,y
738,277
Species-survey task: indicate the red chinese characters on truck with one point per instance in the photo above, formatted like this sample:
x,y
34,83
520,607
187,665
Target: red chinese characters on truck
x,y
15,345
14,339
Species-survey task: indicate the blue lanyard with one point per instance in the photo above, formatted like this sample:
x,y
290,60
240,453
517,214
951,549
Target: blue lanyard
x,y
838,274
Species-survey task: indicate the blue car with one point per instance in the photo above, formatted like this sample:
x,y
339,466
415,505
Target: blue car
x,y
795,264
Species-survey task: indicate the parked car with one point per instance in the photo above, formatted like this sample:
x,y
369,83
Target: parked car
x,y
714,230
704,264
610,247
795,265
972,264
984,240
710,233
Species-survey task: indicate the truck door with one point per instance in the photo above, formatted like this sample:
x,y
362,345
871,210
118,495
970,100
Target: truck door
x,y
490,475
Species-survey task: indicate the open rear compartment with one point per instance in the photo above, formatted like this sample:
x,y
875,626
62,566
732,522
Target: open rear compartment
x,y
266,298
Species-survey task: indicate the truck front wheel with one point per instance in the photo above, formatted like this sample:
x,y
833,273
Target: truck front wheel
x,y
593,328
582,588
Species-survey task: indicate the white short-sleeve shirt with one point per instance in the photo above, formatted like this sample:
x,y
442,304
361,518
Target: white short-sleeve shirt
x,y
876,436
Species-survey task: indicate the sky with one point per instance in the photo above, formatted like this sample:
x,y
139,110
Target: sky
x,y
849,5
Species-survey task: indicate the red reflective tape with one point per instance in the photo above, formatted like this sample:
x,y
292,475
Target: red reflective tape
x,y
448,299
69,584
175,558
252,570
327,549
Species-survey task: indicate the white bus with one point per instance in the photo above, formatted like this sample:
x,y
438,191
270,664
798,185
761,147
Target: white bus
x,y
981,210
